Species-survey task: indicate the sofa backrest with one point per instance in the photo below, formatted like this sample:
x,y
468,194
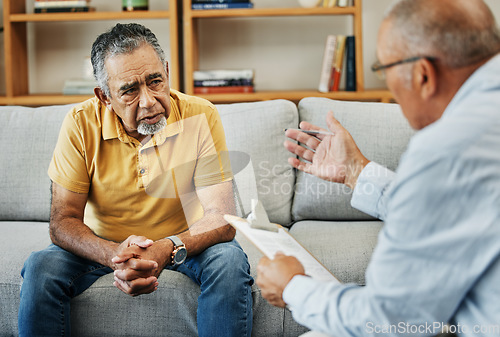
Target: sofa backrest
x,y
28,137
255,132
381,133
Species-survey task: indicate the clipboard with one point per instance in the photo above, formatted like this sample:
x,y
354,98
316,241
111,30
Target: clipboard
x,y
270,242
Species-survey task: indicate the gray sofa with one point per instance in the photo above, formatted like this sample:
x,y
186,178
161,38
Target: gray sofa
x,y
318,213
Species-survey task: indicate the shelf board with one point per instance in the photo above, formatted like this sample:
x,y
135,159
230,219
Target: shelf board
x,y
88,16
254,12
368,95
43,99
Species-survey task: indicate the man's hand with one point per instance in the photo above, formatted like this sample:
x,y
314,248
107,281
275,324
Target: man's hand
x,y
274,275
333,158
138,263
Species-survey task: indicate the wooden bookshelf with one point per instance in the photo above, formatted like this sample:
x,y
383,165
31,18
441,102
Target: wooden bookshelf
x,y
191,41
15,21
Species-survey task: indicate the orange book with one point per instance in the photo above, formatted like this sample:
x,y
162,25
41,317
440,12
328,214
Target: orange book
x,y
339,61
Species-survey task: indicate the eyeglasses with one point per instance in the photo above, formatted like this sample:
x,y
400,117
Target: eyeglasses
x,y
379,69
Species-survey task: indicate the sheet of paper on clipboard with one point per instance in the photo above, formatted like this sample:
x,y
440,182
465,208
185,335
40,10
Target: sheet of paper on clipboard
x,y
271,238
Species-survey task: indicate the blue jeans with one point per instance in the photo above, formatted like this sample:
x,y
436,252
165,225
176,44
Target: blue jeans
x,y
53,276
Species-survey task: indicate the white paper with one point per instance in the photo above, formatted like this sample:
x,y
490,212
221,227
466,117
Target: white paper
x,y
269,243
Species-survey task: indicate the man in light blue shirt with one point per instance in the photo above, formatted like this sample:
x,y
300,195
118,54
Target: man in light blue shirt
x,y
437,260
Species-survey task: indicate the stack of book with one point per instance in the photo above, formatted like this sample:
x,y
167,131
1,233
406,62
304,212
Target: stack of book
x,y
334,3
82,86
220,4
338,48
223,81
56,6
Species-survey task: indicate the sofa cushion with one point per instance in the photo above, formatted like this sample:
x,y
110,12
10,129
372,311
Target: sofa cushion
x,y
344,248
19,239
381,133
28,137
255,133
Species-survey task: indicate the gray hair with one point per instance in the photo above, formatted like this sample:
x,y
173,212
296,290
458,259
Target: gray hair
x,y
121,39
462,34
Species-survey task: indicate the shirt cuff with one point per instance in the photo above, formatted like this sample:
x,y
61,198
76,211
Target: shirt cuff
x,y
294,291
370,187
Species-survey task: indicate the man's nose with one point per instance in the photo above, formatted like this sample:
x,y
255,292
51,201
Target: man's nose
x,y
146,98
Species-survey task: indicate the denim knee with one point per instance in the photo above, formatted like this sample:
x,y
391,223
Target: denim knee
x,y
40,266
229,261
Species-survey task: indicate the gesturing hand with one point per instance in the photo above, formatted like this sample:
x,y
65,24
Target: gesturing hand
x,y
333,158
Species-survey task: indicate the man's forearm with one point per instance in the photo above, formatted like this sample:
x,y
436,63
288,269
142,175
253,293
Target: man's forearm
x,y
74,236
208,231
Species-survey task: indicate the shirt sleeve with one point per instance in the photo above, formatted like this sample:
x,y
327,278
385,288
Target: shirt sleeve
x,y
369,195
68,167
430,253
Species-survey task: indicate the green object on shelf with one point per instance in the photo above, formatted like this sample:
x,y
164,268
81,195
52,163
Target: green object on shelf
x,y
135,5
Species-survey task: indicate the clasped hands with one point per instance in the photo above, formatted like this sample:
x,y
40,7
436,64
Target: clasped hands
x,y
138,263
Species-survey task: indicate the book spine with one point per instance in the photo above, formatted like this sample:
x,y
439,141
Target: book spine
x,y
222,6
326,67
339,61
62,9
203,75
224,90
51,4
350,66
218,1
223,82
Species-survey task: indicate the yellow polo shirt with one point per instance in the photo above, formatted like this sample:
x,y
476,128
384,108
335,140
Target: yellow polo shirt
x,y
141,188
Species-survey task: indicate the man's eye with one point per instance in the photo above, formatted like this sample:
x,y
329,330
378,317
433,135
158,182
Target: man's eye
x,y
129,91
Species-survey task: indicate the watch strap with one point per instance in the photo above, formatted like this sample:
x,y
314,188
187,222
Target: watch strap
x,y
177,242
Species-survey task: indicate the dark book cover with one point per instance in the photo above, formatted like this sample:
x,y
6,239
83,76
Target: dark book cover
x,y
63,9
218,1
235,5
350,67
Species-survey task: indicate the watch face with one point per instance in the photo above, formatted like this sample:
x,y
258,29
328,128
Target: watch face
x,y
180,255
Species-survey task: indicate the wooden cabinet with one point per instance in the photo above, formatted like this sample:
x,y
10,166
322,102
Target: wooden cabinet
x,y
191,41
16,20
16,47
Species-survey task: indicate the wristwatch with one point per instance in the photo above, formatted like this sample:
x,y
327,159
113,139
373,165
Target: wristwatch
x,y
179,253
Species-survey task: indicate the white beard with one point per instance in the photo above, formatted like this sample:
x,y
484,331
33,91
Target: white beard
x,y
150,129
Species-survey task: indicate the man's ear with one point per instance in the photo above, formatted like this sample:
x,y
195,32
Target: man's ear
x,y
425,79
101,95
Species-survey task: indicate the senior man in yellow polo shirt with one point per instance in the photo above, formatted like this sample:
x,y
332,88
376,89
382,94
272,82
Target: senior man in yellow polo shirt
x,y
140,184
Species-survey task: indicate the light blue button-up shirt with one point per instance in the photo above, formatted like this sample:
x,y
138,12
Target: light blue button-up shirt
x,y
437,260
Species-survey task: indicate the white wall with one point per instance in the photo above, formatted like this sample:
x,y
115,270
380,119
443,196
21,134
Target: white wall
x,y
286,53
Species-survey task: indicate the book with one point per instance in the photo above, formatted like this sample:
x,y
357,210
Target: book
x,y
79,86
64,9
329,3
350,65
270,242
224,90
343,3
232,5
339,61
326,68
223,74
217,1
60,3
224,82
